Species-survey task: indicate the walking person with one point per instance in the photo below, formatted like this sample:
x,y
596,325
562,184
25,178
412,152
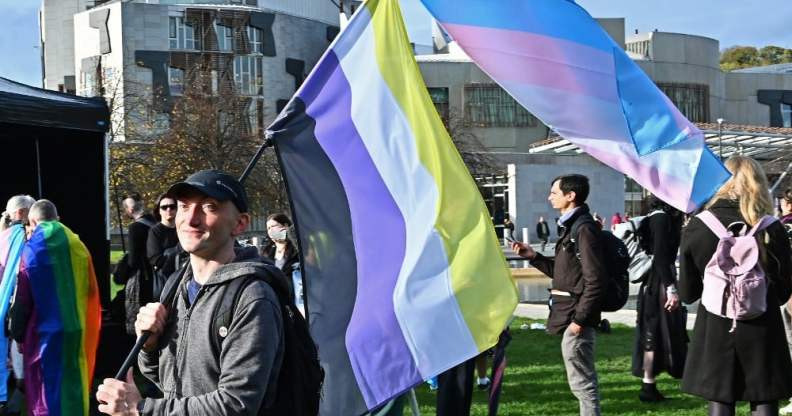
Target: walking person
x,y
737,360
508,228
578,289
661,338
543,232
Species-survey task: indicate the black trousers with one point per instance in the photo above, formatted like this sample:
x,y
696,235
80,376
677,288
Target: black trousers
x,y
455,392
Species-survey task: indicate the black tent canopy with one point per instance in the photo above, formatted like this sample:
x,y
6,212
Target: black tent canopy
x,y
52,145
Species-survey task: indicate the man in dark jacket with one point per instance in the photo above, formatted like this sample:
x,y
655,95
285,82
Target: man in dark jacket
x,y
579,282
196,378
134,270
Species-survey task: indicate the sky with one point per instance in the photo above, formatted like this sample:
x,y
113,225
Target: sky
x,y
732,22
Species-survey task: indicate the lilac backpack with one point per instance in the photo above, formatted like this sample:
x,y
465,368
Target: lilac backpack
x,y
735,286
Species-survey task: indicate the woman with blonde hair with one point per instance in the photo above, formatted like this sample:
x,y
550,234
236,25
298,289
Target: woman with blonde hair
x,y
749,362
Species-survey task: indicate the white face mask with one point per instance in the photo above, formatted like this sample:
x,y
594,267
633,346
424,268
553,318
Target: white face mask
x,y
277,235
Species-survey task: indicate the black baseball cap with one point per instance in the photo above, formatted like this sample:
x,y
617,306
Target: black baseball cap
x,y
215,184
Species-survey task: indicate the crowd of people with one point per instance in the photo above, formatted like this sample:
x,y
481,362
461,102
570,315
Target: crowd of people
x,y
224,342
733,257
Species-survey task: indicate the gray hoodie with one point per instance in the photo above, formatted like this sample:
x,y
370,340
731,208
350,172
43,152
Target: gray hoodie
x,y
243,376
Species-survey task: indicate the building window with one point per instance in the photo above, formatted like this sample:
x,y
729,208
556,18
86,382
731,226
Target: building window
x,y
176,80
87,84
248,75
225,38
255,37
182,35
692,100
640,48
488,105
786,115
440,100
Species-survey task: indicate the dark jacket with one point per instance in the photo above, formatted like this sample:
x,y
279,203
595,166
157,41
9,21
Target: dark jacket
x,y
197,381
135,273
292,256
542,230
657,329
584,277
162,248
752,363
136,258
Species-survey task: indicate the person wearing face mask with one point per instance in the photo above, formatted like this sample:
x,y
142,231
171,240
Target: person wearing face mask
x,y
284,253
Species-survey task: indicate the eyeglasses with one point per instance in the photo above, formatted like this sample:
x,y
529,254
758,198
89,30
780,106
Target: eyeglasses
x,y
167,207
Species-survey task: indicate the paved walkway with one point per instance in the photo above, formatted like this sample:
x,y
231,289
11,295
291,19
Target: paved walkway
x,y
626,317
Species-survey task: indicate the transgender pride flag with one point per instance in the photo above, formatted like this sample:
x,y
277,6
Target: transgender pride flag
x,y
556,61
405,277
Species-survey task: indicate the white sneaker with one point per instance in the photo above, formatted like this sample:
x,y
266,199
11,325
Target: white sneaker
x,y
786,410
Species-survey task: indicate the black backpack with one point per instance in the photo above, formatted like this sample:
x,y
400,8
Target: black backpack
x,y
617,262
299,383
301,377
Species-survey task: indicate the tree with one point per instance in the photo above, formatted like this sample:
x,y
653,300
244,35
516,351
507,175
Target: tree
x,y
738,57
787,56
207,128
476,156
771,55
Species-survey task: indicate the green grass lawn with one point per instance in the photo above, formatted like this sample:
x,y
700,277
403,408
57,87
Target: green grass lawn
x,y
535,381
115,256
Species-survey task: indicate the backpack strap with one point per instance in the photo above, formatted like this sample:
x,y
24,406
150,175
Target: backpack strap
x,y
763,223
223,314
574,231
714,224
224,310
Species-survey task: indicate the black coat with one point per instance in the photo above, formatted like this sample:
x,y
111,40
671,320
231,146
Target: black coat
x,y
752,363
162,248
292,256
585,277
542,230
657,329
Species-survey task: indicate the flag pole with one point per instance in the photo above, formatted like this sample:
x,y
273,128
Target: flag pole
x,y
414,403
121,375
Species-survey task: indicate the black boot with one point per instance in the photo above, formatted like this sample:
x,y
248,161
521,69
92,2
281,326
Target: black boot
x,y
649,393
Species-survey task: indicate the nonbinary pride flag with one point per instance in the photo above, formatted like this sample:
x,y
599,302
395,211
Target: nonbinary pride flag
x,y
556,61
405,277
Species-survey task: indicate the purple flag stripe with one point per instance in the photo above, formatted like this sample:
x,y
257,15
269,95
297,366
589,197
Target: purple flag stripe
x,y
539,60
380,358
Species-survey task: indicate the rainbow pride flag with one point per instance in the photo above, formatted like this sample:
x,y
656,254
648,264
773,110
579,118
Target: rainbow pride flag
x,y
556,61
404,274
57,285
11,242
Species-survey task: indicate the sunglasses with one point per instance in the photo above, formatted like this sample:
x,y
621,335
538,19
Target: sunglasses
x,y
167,207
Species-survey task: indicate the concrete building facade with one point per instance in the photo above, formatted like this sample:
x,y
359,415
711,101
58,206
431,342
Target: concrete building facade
x,y
260,49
